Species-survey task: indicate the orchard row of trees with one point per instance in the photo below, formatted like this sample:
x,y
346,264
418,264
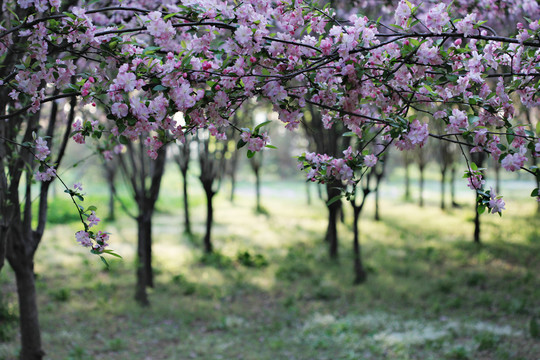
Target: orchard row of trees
x,y
373,80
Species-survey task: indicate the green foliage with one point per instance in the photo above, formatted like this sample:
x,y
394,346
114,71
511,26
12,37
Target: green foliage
x,y
487,341
534,328
60,295
62,211
8,320
187,287
217,260
458,353
253,261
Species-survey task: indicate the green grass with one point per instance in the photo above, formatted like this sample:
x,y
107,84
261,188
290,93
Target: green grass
x,y
270,291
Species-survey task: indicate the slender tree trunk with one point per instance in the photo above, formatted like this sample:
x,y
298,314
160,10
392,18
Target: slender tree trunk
x,y
308,192
407,183
360,274
234,167
28,312
187,221
443,188
256,170
333,212
112,213
453,187
143,259
477,226
421,200
20,255
377,216
208,248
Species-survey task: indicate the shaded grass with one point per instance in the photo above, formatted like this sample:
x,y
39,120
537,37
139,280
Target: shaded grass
x,y
431,292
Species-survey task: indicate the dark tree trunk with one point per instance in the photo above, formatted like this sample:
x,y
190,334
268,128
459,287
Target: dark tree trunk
x,y
144,259
360,274
257,172
421,200
477,226
443,188
407,183
208,248
28,312
112,213
333,212
453,187
377,216
20,256
187,221
233,169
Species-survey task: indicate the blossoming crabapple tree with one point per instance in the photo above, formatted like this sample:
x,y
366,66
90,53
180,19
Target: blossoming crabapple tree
x,y
146,61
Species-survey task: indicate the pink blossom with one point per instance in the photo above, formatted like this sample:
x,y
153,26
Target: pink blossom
x,y
496,203
243,35
458,120
370,160
475,180
78,186
402,14
436,18
101,241
466,25
513,162
48,175
119,110
42,149
93,219
83,238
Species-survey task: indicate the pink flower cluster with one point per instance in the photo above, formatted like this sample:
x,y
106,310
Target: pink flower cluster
x,y
475,180
98,241
42,149
255,142
416,136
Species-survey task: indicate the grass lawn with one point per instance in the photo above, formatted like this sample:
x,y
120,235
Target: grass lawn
x,y
272,293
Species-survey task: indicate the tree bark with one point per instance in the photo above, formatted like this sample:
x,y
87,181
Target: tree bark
x,y
20,256
208,248
477,226
360,274
453,187
257,172
28,313
333,212
443,188
187,221
407,183
144,260
421,200
377,216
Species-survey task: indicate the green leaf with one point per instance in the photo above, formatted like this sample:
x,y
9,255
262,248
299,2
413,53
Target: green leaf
x,y
481,209
241,143
91,208
169,16
271,146
112,253
534,193
334,199
349,134
474,166
261,125
123,140
104,261
250,154
159,88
